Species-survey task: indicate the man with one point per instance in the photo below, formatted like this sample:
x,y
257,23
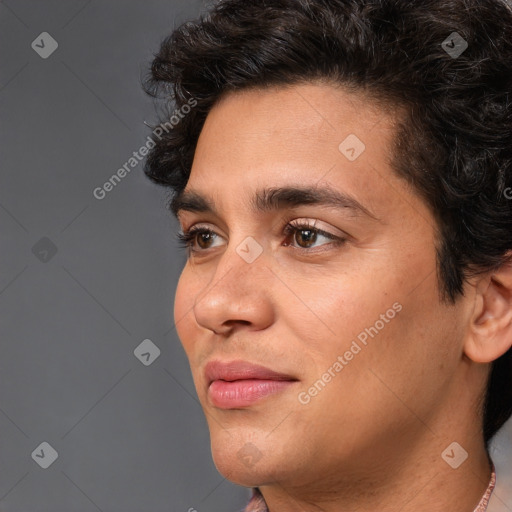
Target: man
x,y
343,185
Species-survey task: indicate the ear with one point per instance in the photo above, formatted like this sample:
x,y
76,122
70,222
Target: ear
x,y
490,329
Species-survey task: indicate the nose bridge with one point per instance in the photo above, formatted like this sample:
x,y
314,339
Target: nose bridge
x,y
236,292
242,264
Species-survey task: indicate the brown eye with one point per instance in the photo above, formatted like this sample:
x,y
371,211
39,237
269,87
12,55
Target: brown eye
x,y
203,239
305,237
197,239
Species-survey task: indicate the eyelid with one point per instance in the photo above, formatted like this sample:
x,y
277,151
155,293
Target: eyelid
x,y
198,225
296,223
296,226
288,228
319,226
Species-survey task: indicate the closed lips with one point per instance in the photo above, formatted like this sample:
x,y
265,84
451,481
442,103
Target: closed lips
x,y
241,370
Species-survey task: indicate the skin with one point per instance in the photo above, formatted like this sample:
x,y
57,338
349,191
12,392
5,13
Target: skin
x,y
372,439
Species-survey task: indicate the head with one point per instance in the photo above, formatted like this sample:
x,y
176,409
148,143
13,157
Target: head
x,y
408,279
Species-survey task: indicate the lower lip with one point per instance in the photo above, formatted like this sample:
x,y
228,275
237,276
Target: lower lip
x,y
240,393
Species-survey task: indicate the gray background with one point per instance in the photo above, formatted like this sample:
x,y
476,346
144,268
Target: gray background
x,y
129,437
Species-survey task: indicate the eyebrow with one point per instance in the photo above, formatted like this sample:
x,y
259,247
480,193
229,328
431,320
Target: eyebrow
x,y
275,198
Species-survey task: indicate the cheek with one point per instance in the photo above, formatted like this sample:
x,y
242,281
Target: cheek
x,y
392,342
409,363
341,310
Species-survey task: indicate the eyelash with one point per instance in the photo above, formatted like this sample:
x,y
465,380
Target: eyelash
x,y
187,238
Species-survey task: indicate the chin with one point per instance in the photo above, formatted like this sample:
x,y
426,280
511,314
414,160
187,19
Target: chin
x,y
243,463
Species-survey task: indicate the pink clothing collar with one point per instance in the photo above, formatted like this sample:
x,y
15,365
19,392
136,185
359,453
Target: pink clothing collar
x,y
257,503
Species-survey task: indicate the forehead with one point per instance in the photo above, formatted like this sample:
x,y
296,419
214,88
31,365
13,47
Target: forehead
x,y
294,117
308,135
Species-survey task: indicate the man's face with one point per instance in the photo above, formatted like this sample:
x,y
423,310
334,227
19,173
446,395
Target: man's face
x,y
358,324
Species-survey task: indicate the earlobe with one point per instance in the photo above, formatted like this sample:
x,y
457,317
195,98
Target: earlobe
x,y
490,329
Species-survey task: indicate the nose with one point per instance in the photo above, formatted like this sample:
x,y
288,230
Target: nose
x,y
237,296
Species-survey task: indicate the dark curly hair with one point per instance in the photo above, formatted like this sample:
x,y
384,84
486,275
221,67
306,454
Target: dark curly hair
x,y
453,142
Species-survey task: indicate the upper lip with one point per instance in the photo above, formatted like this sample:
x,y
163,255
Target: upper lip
x,y
240,370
